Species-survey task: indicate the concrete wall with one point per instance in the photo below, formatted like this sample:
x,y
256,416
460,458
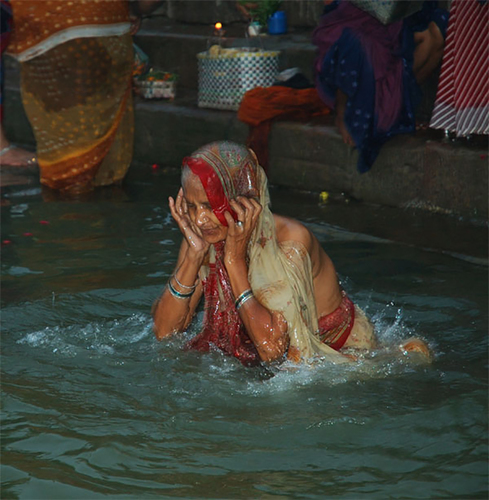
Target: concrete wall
x,y
300,13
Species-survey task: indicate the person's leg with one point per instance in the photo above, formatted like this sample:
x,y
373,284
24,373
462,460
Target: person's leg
x,y
428,52
340,108
14,156
10,155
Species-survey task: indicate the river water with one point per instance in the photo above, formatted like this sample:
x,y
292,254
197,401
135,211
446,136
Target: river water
x,y
94,407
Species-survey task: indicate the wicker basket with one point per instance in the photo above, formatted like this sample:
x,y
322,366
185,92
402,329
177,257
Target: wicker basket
x,y
226,76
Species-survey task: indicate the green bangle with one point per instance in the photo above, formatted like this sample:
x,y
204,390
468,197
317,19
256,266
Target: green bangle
x,y
246,295
177,294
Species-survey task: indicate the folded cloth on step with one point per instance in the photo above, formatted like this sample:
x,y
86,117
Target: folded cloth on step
x,y
261,105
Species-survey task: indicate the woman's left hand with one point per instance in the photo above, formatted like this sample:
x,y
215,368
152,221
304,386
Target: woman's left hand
x,y
239,232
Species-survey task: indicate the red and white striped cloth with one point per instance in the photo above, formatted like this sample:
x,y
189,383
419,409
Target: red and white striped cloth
x,y
462,101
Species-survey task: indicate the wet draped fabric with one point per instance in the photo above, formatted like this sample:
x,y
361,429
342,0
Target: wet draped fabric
x,y
76,68
462,101
335,328
262,105
222,326
372,64
280,274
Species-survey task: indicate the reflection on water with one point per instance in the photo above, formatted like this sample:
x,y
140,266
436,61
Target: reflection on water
x,y
93,406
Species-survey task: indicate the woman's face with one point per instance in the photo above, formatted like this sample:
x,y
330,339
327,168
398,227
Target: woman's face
x,y
200,211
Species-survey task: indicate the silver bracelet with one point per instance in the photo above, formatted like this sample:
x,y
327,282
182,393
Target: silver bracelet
x,y
246,295
177,294
181,285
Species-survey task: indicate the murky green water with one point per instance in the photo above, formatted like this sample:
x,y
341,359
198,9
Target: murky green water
x,y
94,407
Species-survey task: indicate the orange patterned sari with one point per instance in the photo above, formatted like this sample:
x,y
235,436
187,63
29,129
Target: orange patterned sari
x,y
76,66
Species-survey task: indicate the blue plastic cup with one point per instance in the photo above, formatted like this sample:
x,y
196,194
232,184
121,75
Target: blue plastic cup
x,y
277,23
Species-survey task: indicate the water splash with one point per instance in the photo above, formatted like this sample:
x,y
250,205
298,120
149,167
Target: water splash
x,y
101,338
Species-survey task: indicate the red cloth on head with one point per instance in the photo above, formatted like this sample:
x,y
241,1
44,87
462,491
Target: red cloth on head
x,y
226,170
212,186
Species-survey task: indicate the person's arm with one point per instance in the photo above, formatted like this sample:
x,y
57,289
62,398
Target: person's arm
x,y
171,313
267,329
138,9
144,7
176,307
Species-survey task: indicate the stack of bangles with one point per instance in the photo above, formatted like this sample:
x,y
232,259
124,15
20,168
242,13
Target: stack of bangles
x,y
246,295
176,293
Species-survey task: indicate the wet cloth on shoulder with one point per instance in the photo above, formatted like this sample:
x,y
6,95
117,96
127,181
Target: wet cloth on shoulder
x,y
262,105
280,275
372,64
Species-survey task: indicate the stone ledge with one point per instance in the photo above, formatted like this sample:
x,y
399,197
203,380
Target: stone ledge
x,y
419,171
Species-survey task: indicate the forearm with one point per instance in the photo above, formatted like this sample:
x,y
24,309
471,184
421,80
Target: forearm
x,y
144,7
174,311
267,330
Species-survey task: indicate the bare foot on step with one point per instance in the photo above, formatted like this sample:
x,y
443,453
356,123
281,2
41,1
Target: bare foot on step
x,y
15,157
341,100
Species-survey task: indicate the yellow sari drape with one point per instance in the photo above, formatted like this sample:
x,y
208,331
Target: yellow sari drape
x,y
76,88
78,98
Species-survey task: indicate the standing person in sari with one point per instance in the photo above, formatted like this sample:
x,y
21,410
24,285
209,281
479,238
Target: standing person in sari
x,y
271,292
76,61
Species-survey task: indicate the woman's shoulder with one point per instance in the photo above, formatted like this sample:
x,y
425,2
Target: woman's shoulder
x,y
288,229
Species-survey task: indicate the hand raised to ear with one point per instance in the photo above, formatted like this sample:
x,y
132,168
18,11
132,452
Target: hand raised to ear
x,y
239,231
191,233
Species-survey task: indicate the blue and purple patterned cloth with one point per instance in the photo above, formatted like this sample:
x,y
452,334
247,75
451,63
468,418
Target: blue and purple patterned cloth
x,y
372,64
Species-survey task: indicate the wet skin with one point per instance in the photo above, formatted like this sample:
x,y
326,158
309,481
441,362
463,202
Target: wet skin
x,y
201,228
267,329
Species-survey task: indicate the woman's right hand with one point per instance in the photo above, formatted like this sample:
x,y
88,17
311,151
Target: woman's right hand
x,y
179,210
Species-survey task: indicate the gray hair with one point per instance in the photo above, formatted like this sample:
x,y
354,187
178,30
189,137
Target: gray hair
x,y
186,173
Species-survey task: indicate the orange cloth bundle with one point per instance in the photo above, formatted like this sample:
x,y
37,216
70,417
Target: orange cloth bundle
x,y
261,105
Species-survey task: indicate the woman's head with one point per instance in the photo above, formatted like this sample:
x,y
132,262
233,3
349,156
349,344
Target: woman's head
x,y
211,177
199,208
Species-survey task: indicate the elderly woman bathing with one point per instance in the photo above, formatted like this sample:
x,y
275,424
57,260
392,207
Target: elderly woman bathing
x,y
271,292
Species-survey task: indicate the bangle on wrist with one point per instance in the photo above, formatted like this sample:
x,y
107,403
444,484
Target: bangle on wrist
x,y
177,294
181,285
246,295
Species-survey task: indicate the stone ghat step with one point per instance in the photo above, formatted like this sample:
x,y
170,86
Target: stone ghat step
x,y
420,171
174,47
